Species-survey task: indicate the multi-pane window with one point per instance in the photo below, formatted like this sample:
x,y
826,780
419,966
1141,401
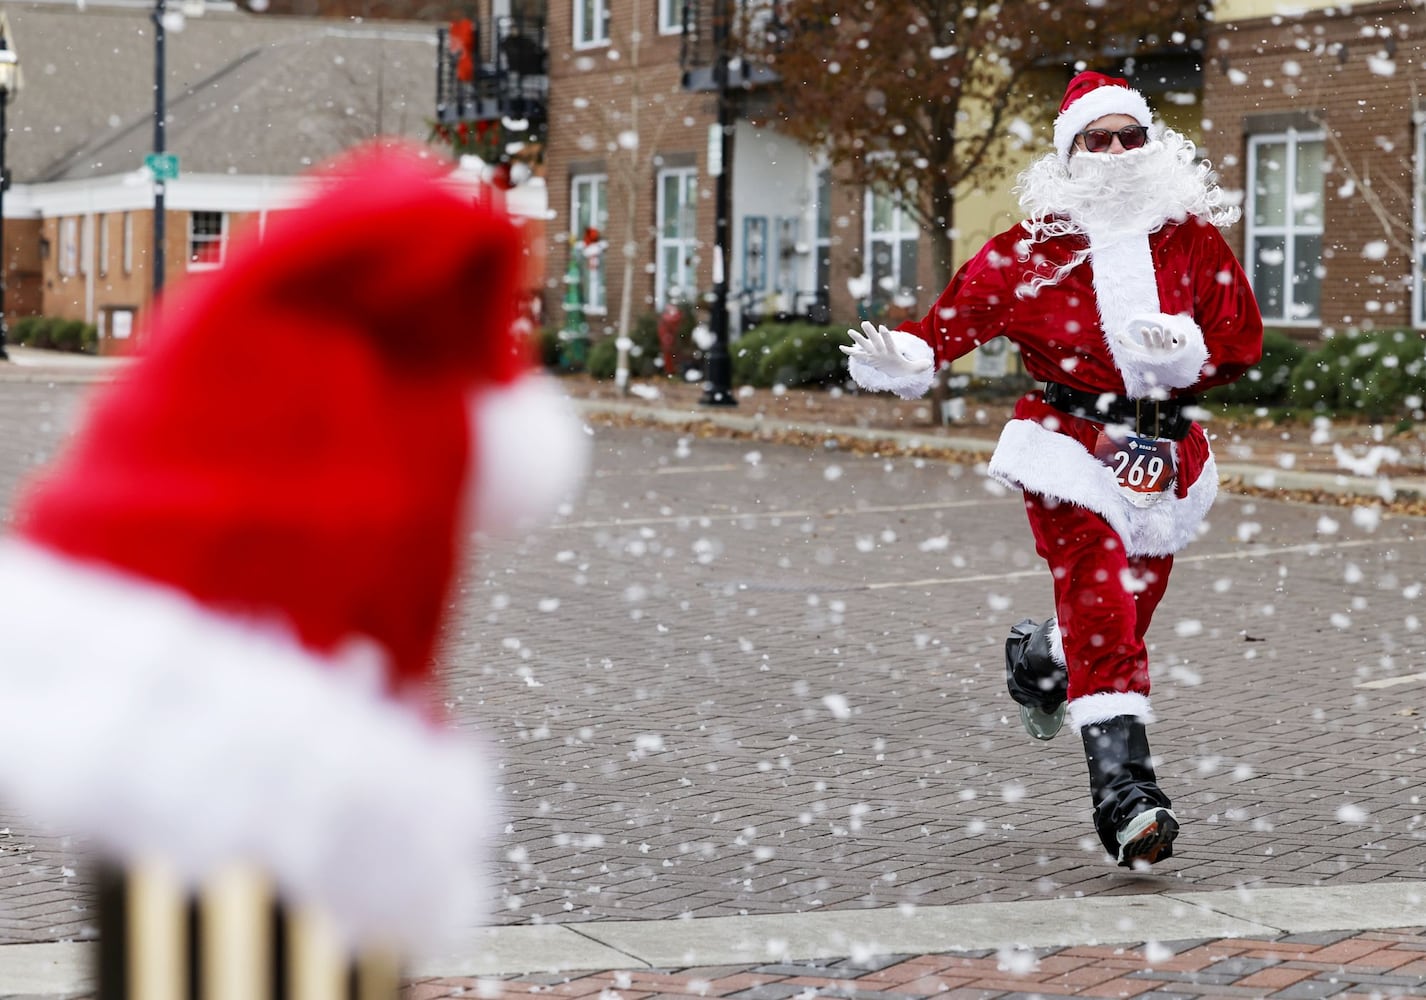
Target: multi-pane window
x,y
822,246
891,242
670,17
207,237
102,222
1418,298
677,245
591,23
69,246
127,239
589,218
1284,233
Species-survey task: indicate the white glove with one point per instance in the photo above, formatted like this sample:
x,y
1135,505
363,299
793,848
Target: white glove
x,y
1152,337
874,347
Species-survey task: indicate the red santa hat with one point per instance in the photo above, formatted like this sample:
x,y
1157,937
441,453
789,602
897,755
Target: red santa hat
x,y
219,608
1089,97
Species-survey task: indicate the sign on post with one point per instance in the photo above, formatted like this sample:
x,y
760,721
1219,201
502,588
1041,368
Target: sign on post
x,y
163,166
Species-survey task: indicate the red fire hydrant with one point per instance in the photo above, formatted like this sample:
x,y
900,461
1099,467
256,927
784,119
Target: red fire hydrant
x,y
669,321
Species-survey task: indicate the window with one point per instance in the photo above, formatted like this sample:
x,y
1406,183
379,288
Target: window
x,y
892,237
1284,235
670,17
127,241
103,223
589,220
591,23
823,245
789,253
68,246
677,247
1418,298
207,238
755,253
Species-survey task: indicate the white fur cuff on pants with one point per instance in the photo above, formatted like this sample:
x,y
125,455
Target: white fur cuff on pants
x,y
1093,708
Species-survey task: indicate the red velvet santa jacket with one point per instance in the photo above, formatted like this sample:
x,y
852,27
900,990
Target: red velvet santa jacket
x,y
1076,330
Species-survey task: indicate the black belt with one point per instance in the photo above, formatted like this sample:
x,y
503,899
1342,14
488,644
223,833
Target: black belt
x,y
1161,418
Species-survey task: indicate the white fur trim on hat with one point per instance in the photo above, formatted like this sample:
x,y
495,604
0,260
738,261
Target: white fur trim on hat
x,y
531,451
905,386
1106,100
161,729
1095,708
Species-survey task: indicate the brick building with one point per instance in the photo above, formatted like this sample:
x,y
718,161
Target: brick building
x,y
252,103
1319,117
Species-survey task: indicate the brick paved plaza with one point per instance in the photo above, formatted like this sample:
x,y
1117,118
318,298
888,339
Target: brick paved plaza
x,y
743,678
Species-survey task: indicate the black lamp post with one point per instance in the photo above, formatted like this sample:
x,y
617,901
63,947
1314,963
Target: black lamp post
x,y
9,84
159,180
718,389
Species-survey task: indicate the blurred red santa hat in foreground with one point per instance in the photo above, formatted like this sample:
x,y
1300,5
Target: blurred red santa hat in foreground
x,y
219,607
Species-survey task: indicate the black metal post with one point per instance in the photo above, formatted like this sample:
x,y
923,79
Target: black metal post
x,y
159,181
718,389
4,248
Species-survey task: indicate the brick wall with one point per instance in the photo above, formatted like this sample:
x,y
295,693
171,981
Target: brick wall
x,y
593,100
1357,75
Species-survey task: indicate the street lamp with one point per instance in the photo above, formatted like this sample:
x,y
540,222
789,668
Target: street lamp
x,y
718,390
159,15
9,85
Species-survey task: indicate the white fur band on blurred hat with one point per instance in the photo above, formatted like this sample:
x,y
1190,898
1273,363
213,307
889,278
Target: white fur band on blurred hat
x,y
1089,97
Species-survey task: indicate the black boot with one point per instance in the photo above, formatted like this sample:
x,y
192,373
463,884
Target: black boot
x,y
1131,814
1036,682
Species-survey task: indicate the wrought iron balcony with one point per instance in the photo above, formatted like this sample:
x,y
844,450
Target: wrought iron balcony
x,y
492,69
745,31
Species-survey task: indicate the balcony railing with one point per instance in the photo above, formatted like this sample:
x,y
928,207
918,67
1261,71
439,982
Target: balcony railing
x,y
496,68
748,31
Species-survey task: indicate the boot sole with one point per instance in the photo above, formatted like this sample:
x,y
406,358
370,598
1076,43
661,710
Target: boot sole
x,y
1152,844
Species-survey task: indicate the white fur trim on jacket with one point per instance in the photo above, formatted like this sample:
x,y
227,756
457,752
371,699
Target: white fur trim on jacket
x,y
1093,708
905,386
164,730
1034,458
1148,372
1094,105
1127,295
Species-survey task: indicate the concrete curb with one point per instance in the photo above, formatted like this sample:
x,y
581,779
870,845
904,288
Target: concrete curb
x,y
750,941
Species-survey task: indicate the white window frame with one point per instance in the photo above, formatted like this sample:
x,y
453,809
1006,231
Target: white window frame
x,y
1291,139
1418,258
102,222
220,239
903,228
68,246
589,206
127,241
671,17
822,242
586,35
686,242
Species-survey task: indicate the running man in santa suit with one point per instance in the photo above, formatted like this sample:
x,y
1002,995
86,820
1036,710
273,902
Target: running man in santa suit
x,y
1125,301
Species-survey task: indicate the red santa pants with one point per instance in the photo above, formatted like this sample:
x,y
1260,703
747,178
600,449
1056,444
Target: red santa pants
x,y
1104,597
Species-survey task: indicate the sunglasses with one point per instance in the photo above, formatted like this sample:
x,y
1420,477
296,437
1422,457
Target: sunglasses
x,y
1098,140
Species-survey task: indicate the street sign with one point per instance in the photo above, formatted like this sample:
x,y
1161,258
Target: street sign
x,y
163,166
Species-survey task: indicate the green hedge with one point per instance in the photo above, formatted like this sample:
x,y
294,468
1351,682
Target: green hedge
x,y
1375,374
790,354
1267,382
55,334
645,352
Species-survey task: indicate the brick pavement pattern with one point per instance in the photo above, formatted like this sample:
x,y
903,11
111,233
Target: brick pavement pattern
x,y
1341,965
742,677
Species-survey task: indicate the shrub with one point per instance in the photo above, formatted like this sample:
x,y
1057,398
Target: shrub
x,y
749,350
1267,382
1359,373
643,352
805,355
546,345
25,330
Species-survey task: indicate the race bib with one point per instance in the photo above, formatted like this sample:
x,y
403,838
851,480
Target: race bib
x,y
1143,466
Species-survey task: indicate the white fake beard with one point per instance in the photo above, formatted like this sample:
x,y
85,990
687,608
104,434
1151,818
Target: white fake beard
x,y
1134,192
